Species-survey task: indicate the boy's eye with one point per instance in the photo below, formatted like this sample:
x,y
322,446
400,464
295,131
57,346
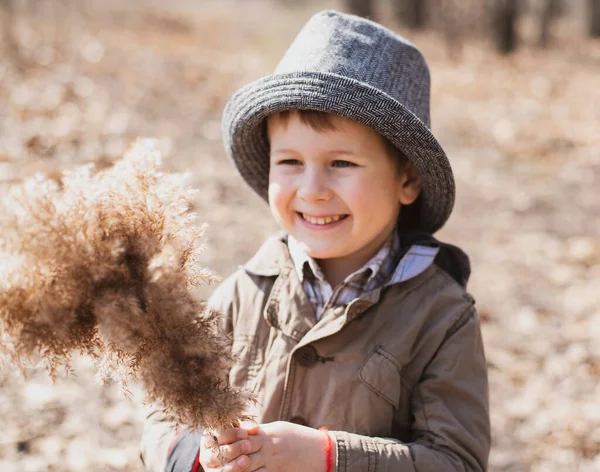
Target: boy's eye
x,y
343,164
289,162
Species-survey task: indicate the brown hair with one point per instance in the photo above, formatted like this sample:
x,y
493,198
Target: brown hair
x,y
321,121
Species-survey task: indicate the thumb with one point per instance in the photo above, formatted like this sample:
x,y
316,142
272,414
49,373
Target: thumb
x,y
251,426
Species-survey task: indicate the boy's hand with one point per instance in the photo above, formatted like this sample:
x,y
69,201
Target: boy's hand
x,y
289,447
232,450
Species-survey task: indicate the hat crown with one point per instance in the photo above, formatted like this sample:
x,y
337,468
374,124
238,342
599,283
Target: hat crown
x,y
354,68
359,49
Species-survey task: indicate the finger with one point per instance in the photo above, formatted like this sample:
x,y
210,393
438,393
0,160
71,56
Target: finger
x,y
218,456
223,436
209,459
246,463
241,464
232,451
256,441
214,455
256,462
252,427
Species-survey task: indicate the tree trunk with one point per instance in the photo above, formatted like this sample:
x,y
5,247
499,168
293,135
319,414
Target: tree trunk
x,y
594,15
551,10
7,15
504,22
453,27
412,13
360,7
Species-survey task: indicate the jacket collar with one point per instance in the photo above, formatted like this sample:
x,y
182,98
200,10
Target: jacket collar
x,y
287,307
274,255
271,257
451,259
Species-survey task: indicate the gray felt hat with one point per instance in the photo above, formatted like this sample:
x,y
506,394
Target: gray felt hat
x,y
355,68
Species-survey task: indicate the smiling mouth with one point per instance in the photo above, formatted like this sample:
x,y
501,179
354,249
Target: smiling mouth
x,y
321,220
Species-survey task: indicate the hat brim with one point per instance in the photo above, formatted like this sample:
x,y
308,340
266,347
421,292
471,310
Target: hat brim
x,y
247,145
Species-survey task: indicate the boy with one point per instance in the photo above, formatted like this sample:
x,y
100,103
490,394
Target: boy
x,y
355,320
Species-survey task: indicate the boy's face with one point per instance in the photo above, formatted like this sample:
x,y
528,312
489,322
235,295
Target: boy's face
x,y
338,192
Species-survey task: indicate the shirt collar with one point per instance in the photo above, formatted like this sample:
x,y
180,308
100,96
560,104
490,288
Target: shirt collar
x,y
302,261
307,266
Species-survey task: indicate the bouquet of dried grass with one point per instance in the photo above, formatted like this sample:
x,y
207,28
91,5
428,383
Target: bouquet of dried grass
x,y
102,263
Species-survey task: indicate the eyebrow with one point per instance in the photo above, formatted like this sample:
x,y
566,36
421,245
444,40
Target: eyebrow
x,y
283,151
342,152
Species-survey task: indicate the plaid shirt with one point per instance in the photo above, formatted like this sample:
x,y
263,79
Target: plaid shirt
x,y
385,267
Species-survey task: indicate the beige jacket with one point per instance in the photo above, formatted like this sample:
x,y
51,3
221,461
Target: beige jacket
x,y
399,376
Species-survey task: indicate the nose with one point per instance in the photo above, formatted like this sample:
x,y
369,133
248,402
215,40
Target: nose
x,y
314,186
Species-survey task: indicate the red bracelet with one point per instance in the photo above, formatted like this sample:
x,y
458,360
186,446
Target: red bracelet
x,y
327,449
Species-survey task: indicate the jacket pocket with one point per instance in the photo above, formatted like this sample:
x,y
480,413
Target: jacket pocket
x,y
248,360
381,373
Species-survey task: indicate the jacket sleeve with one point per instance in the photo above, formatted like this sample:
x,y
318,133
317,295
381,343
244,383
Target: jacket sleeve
x,y
162,447
157,436
451,426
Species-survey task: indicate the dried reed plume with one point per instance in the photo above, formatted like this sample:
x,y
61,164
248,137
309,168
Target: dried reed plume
x,y
102,263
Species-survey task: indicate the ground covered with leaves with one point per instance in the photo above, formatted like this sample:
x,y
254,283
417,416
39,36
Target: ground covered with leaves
x,y
523,137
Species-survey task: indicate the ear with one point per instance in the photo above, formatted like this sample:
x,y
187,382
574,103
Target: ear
x,y
409,184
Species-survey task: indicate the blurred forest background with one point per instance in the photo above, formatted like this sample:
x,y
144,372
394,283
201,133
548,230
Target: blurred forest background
x,y
515,103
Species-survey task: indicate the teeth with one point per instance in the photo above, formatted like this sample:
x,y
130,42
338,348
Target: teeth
x,y
321,221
